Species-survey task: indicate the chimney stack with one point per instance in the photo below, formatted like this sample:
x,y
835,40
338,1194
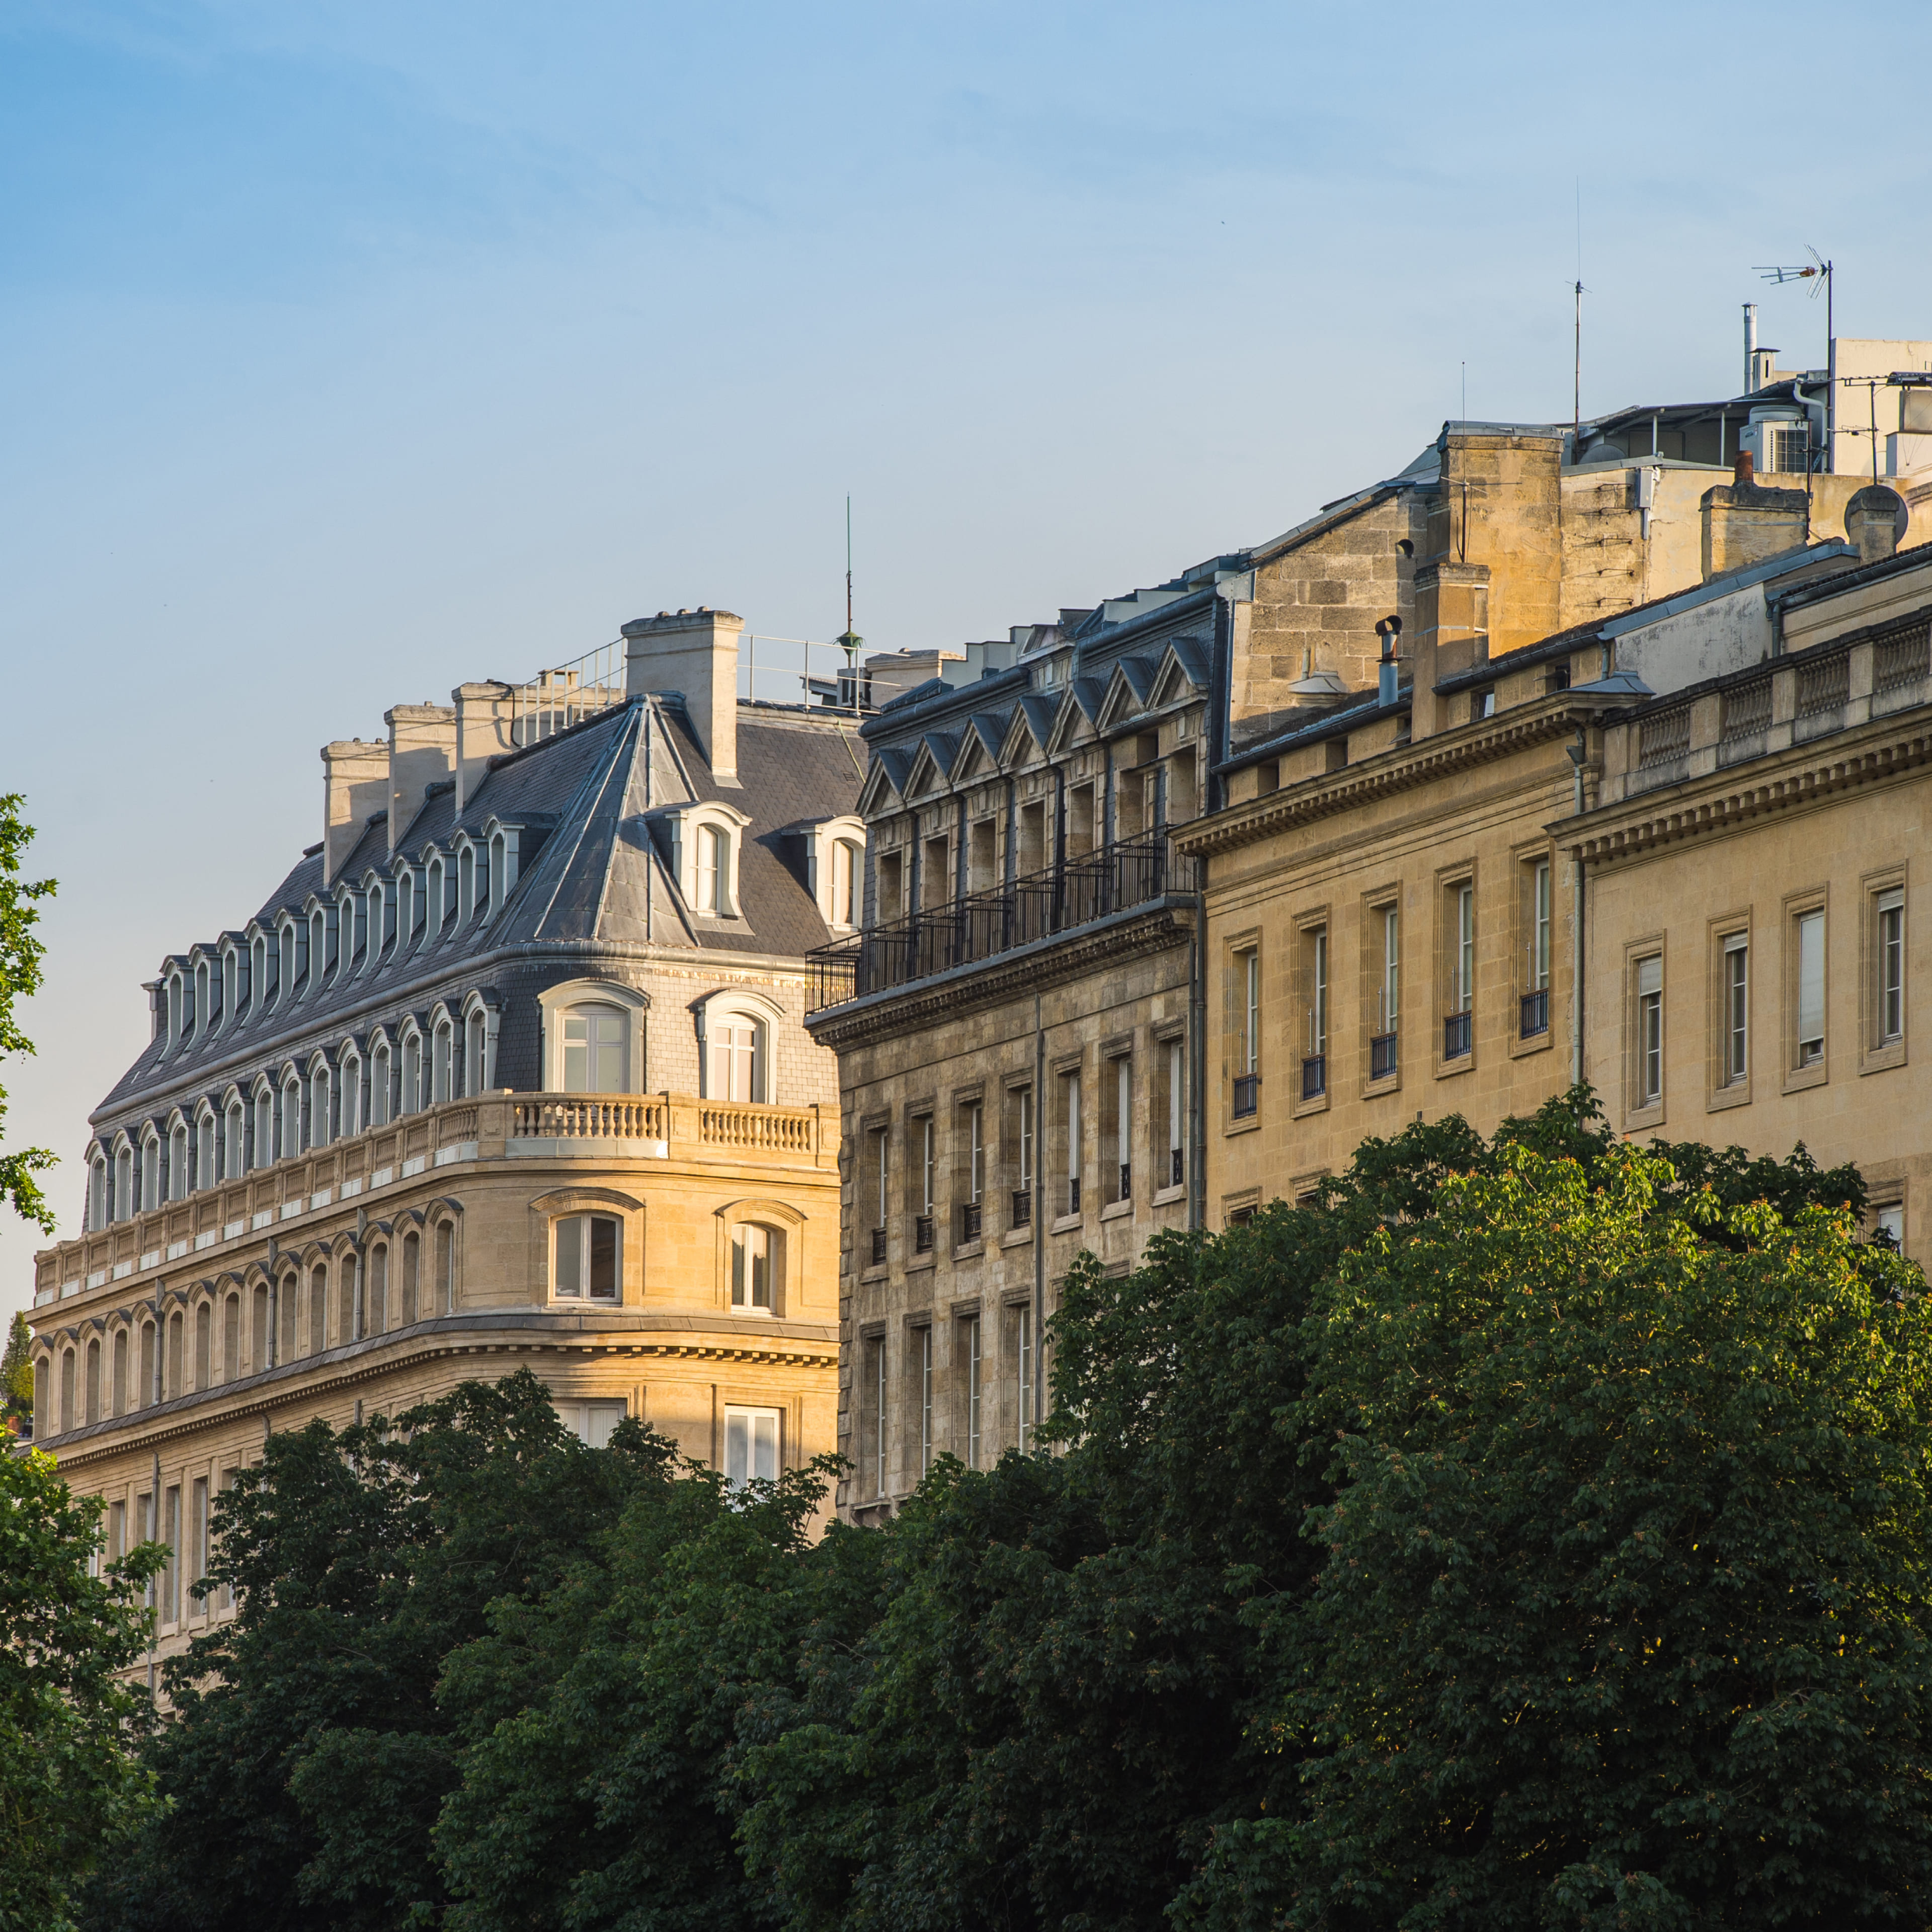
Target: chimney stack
x,y
1872,522
354,787
694,653
1745,522
422,750
484,714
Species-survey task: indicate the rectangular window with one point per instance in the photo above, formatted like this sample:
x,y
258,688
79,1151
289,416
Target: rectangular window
x,y
586,1258
1315,1061
751,1446
1890,1222
1650,1031
970,1346
922,1226
751,1271
1385,931
593,1423
1069,1091
972,1158
198,1525
1458,1029
1809,938
924,1399
1117,1129
1248,1032
878,1189
1024,1391
1737,1009
117,1531
874,1399
1020,1105
1175,1171
171,1536
1891,908
145,1528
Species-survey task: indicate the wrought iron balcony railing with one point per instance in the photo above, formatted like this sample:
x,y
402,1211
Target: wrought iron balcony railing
x,y
984,925
1536,1012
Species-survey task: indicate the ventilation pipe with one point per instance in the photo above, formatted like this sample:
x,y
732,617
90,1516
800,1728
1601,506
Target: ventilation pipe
x,y
1751,347
1390,630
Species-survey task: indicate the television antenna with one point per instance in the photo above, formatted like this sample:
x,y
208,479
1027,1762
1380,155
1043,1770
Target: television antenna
x,y
1818,272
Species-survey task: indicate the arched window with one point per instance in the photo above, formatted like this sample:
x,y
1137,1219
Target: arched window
x,y
405,910
318,1309
411,1274
150,1173
258,1327
433,910
285,971
124,1185
207,1166
379,1088
231,982
466,884
845,865
586,1256
735,1069
351,1095
318,947
117,1392
376,1308
96,1192
265,1127
43,1420
319,1108
347,1328
443,1061
172,1384
446,1267
288,1306
204,1346
261,977
177,1010
713,870
69,1414
177,1173
596,1040
150,1341
291,1132
475,1036
412,1072
757,1258
204,1002
93,1409
231,1338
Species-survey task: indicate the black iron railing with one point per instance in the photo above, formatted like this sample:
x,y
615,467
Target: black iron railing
x,y
1381,1056
983,925
878,1247
1022,1206
1073,1194
1455,1035
1177,1166
1247,1095
969,1221
921,1234
1315,1076
1536,1012
1126,1180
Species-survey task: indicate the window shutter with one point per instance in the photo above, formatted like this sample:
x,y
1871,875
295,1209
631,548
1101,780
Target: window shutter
x,y
1650,974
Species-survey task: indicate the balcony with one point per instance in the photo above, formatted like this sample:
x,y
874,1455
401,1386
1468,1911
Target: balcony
x,y
501,1126
1456,1036
982,926
970,1218
1315,1076
1536,1013
878,1247
1381,1056
921,1234
1022,1206
1247,1095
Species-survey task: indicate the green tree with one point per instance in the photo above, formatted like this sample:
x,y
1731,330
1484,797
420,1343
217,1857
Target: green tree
x,y
16,1371
68,1780
20,955
306,1756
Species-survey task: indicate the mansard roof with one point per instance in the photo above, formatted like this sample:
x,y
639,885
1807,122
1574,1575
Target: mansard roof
x,y
594,866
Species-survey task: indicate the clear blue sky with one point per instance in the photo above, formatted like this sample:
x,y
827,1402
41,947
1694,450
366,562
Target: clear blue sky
x,y
352,350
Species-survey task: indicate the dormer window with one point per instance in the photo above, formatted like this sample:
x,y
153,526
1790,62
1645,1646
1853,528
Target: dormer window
x,y
504,842
265,1126
235,1122
207,1165
380,1089
177,1010
835,868
466,884
289,970
318,947
320,1093
263,959
231,982
351,1093
292,1108
406,912
151,1172
204,1001
436,908
178,1161
412,1074
705,840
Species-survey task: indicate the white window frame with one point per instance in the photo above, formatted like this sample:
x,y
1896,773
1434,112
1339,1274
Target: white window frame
x,y
734,1006
554,1003
585,1257
757,1430
686,824
1735,990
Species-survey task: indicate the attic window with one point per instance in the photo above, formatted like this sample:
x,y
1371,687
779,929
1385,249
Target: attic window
x,y
1482,704
706,842
1556,679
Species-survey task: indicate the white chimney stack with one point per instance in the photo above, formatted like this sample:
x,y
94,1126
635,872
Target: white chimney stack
x,y
694,653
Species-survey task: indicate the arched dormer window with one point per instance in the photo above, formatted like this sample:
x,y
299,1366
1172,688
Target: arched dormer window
x,y
318,947
475,1056
262,959
121,1205
205,999
231,982
235,1137
835,855
265,1124
178,1160
98,1212
207,1164
505,841
412,1071
291,1137
375,920
466,895
705,838
350,1107
177,1010
321,1094
288,965
435,902
381,1080
409,907
735,1039
443,1058
151,1172
593,1037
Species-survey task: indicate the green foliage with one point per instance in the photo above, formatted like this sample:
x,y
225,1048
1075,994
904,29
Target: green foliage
x,y
16,1371
68,1780
20,955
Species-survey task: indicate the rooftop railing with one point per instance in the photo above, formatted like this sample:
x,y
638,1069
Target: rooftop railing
x,y
983,925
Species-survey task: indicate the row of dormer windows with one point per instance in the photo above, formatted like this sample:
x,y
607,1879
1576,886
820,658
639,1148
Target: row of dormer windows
x,y
333,939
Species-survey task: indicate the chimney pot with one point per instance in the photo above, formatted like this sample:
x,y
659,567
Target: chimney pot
x,y
1744,471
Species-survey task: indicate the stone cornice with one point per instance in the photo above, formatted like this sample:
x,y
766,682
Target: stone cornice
x,y
813,1345
1722,800
1389,773
992,983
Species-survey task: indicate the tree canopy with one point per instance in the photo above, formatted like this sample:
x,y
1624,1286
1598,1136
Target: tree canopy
x,y
21,952
1530,1531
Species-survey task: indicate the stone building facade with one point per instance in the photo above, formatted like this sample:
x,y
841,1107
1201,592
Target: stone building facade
x,y
509,1071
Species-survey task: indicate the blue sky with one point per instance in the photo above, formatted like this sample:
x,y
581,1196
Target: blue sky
x,y
354,350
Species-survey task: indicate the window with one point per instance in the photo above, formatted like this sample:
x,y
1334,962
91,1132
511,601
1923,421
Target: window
x,y
1024,1366
92,1411
1175,1172
443,1061
231,1338
1248,1053
197,1562
1020,1107
318,1310
347,1328
1650,1031
445,1266
150,1173
117,1531
207,1168
593,1423
878,1150
380,1088
921,1225
1456,1034
1482,704
1890,1223
288,1306
844,882
1117,1129
475,1074
586,1268
265,1127
376,1310
178,1162
751,1446
1536,973
752,1255
1809,938
124,1184
291,1132
972,1169
875,1412
736,1069
412,1072
351,1097
146,1393
144,1516
924,1346
319,1108
969,1340
1386,924
171,1536
1315,1062
595,1057
259,1331
1891,950
412,1277
69,1414
713,869
1071,1150
204,1346
231,981
1737,1009
118,1385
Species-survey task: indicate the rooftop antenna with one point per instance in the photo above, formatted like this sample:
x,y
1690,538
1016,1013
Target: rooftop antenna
x,y
1576,423
850,642
1818,272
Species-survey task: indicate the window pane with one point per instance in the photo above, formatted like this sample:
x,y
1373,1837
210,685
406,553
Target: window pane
x,y
1811,986
603,1257
765,1446
737,1449
570,1255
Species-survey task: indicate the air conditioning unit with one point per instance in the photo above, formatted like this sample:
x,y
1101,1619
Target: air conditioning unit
x,y
1777,440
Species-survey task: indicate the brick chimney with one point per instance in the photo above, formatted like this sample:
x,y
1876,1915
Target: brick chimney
x,y
694,653
422,749
1745,522
1872,521
354,787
